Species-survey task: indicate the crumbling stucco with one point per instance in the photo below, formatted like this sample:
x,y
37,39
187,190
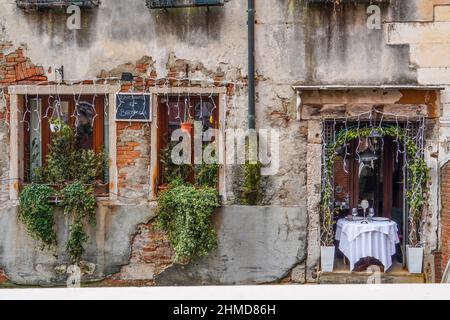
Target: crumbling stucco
x,y
256,245
296,44
107,251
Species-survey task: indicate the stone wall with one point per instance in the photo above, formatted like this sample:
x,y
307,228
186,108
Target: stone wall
x,y
107,251
257,245
427,33
295,44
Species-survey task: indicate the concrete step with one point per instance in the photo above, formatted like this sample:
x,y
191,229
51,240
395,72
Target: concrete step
x,y
363,278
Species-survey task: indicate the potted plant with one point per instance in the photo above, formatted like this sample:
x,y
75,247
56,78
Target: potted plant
x,y
414,258
187,125
327,249
414,251
417,201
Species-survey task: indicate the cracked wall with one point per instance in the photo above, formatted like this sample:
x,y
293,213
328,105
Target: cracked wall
x,y
295,43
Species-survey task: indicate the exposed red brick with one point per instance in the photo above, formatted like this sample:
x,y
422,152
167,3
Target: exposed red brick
x,y
444,256
3,277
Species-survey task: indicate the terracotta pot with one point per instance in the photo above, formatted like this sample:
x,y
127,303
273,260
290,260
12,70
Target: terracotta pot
x,y
186,127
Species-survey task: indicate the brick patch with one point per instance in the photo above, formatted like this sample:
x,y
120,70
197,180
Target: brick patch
x,y
133,159
151,254
16,68
3,278
445,218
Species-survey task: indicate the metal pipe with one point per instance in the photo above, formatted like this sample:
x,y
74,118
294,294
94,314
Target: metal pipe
x,y
251,65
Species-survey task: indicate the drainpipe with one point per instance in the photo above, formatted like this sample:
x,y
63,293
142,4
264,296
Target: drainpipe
x,y
251,65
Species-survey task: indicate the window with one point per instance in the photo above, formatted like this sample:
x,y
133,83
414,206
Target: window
x,y
377,176
85,114
48,4
178,112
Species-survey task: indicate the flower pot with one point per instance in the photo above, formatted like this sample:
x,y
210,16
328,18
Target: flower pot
x,y
414,258
327,258
186,127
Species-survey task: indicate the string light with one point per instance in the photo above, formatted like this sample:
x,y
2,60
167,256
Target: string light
x,y
417,135
33,108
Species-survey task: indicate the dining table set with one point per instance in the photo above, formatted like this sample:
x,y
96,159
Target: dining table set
x,y
359,238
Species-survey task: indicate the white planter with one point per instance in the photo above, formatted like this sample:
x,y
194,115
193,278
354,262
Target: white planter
x,y
414,258
327,258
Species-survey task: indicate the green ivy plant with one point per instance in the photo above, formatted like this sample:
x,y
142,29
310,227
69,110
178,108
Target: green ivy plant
x,y
185,208
418,175
251,190
67,163
171,171
79,204
75,171
37,213
184,212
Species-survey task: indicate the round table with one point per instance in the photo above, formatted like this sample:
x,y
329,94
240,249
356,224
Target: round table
x,y
376,239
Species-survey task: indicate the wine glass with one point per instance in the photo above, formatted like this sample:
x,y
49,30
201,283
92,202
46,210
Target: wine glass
x,y
371,213
354,213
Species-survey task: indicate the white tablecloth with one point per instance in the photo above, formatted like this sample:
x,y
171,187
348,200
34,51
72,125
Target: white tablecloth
x,y
376,239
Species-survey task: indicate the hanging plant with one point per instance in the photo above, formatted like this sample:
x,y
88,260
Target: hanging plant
x,y
79,205
418,175
186,206
37,213
184,212
75,171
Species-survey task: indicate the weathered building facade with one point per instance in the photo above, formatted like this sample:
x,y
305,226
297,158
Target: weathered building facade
x,y
315,62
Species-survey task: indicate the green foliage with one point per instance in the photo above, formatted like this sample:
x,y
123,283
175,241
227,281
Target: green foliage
x,y
171,171
75,244
61,156
79,203
67,163
204,174
74,169
37,213
418,175
184,211
207,175
251,193
89,166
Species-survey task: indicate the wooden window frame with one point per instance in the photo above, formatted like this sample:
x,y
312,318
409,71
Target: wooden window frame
x,y
45,132
163,126
18,94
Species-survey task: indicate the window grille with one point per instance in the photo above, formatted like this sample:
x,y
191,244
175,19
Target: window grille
x,y
54,4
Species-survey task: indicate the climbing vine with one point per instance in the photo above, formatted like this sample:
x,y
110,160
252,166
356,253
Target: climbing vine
x,y
251,190
418,175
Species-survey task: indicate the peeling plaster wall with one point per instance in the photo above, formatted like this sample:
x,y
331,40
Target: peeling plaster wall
x,y
427,33
243,256
107,251
295,43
